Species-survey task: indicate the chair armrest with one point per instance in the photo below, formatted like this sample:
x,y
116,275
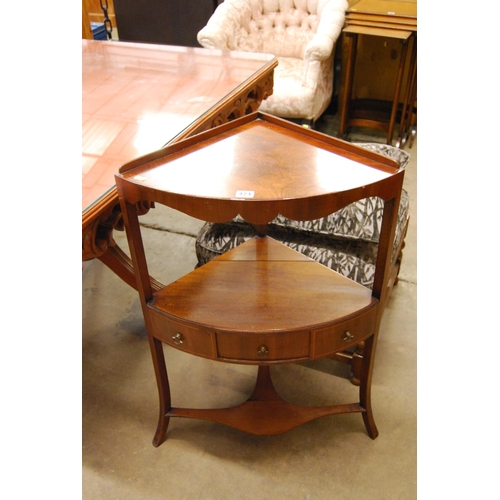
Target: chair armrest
x,y
332,18
221,28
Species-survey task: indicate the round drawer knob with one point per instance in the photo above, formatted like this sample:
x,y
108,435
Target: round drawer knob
x,y
348,336
263,351
178,338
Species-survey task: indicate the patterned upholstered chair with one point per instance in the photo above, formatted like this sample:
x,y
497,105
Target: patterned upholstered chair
x,y
345,241
300,33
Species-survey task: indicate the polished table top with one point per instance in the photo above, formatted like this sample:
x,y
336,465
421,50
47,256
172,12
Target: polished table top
x,y
138,97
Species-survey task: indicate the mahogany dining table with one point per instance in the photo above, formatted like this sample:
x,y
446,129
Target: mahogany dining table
x,y
139,97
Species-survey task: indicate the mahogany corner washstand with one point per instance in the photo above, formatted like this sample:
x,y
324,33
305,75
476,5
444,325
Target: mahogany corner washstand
x,y
261,303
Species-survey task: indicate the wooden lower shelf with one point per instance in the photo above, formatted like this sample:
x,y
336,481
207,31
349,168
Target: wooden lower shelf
x,y
265,412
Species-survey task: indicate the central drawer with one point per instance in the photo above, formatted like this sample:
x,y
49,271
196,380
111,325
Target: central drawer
x,y
263,347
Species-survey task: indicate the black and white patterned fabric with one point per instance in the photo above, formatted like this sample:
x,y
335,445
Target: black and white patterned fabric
x,y
345,241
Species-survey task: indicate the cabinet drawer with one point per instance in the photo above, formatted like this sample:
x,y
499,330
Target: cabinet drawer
x,y
184,337
263,347
343,335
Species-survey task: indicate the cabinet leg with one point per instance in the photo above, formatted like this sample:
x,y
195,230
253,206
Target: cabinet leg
x,y
163,390
365,387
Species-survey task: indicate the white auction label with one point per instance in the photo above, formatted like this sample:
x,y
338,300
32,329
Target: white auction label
x,y
245,194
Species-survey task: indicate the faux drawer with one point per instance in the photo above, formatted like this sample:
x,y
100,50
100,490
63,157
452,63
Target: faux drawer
x,y
183,337
263,347
343,335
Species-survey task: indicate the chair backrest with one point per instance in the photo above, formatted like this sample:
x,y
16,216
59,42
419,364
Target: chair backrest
x,y
279,27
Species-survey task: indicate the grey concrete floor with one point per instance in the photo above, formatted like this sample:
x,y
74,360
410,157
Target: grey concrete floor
x,y
329,458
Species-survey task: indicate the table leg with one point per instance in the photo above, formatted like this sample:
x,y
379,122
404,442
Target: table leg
x,y
98,241
407,109
352,42
397,90
412,124
119,262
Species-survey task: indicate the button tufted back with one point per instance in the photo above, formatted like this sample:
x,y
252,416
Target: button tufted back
x,y
280,27
300,33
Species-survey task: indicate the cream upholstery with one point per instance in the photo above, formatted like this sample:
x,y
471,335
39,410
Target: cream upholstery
x,y
300,33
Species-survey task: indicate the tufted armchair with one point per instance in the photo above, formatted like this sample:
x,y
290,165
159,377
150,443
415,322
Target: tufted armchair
x,y
300,33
